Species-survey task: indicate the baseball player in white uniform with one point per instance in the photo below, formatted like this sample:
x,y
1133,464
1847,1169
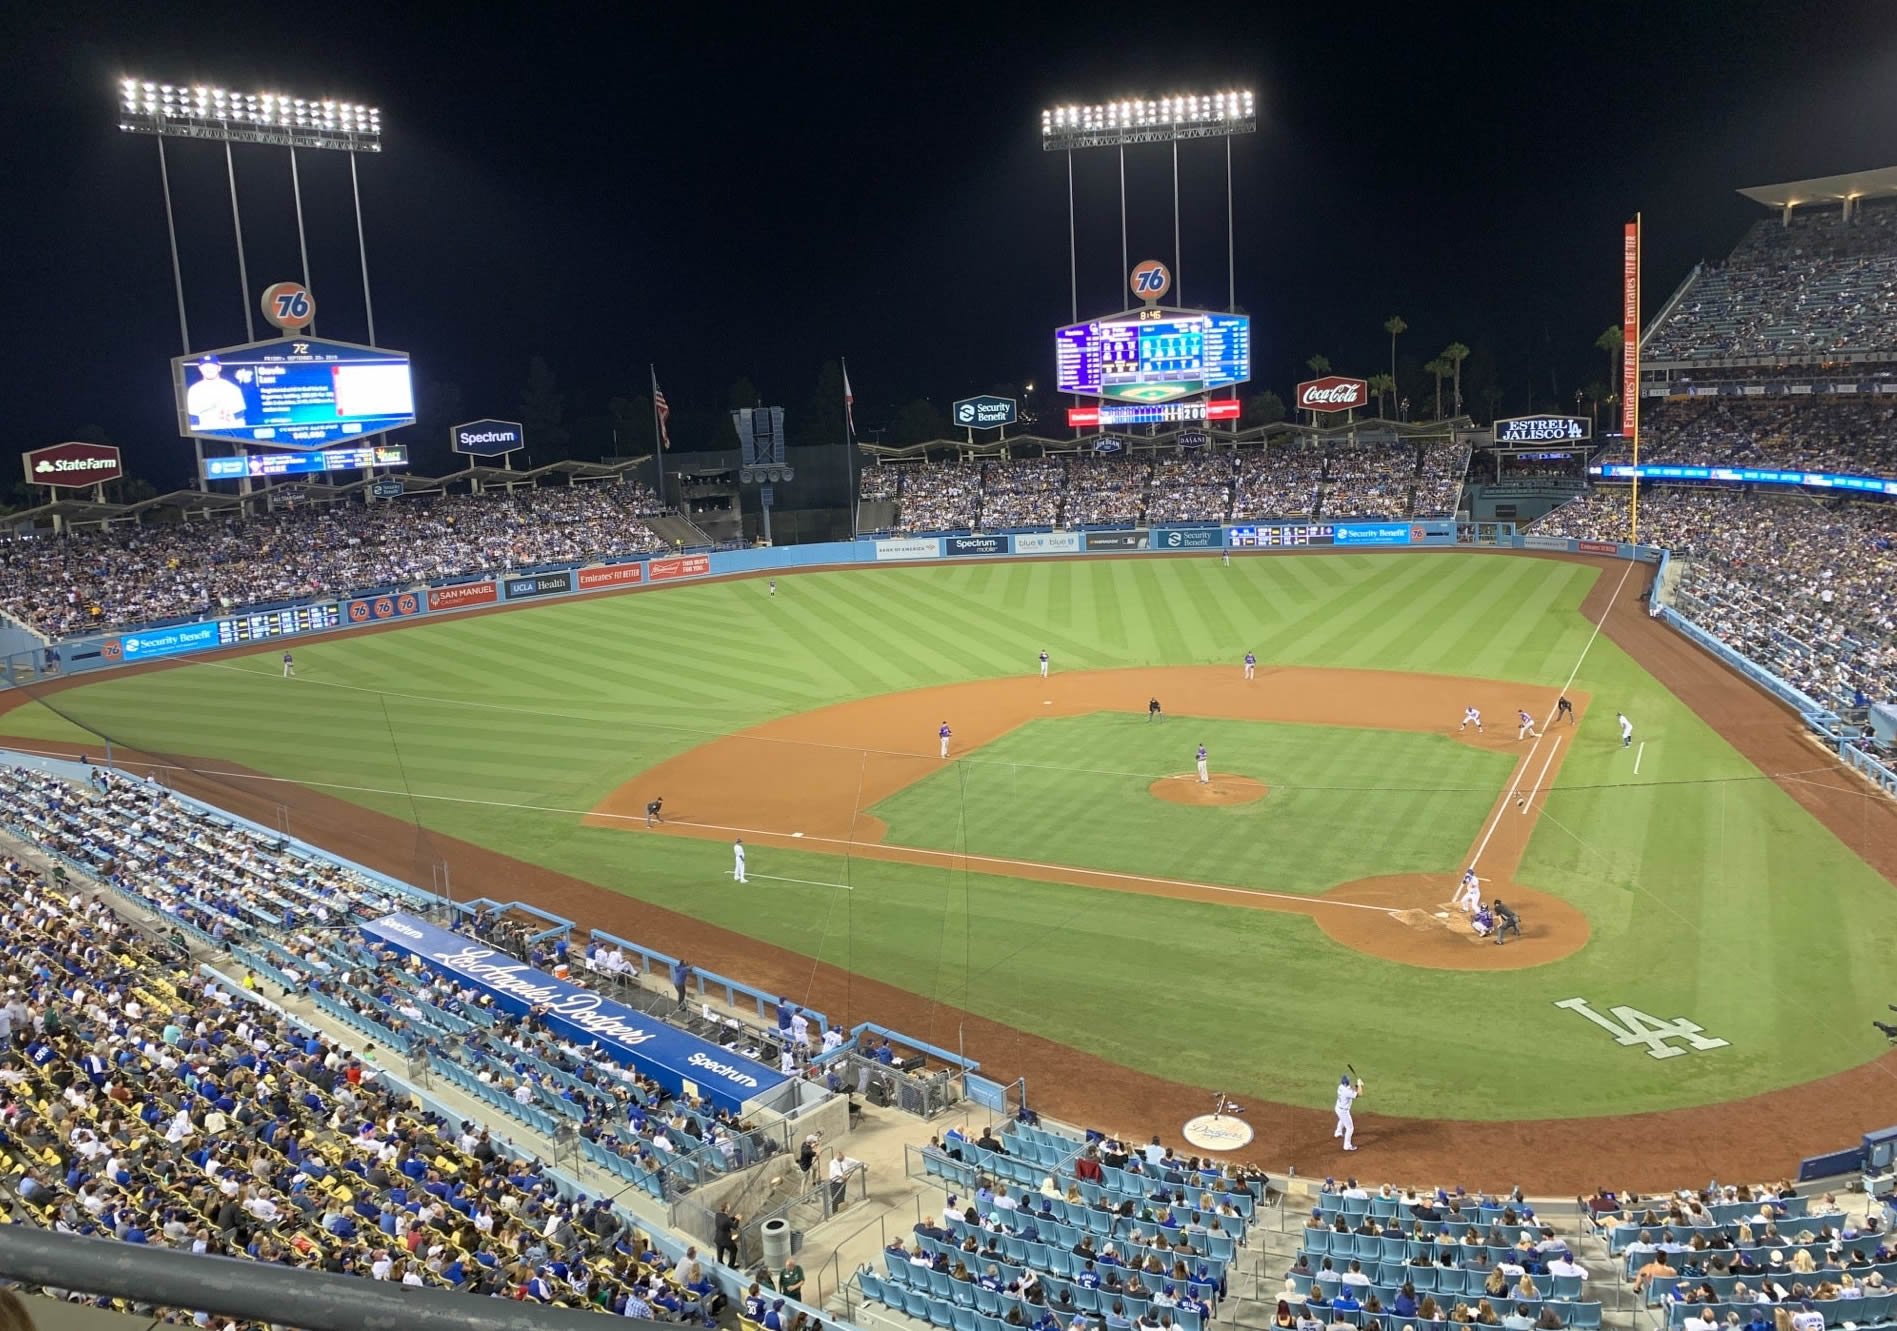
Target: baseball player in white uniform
x,y
1527,724
1471,717
214,402
1626,729
1251,665
1043,663
1205,777
1347,1092
1470,895
737,859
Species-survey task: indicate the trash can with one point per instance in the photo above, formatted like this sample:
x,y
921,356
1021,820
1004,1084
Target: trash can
x,y
776,1238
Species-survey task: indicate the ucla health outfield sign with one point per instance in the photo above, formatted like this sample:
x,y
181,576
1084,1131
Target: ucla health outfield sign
x,y
679,1062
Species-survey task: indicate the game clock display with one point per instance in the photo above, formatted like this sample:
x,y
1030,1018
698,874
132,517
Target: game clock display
x,y
1155,355
278,624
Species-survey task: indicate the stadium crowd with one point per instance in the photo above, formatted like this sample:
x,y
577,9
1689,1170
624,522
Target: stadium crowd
x,y
1817,285
1850,435
131,575
1336,480
1798,584
148,1104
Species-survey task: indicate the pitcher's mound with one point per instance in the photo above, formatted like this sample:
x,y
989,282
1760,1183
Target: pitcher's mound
x,y
1223,788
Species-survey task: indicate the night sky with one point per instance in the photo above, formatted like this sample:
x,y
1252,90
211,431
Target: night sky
x,y
745,193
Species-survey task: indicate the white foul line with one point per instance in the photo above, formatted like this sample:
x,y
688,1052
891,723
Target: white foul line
x,y
1527,801
1637,752
1514,789
807,882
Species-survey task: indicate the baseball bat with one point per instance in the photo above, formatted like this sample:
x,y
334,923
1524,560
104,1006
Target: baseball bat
x,y
1352,1068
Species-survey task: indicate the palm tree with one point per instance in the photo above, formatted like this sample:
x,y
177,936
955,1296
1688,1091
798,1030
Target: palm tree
x,y
1438,367
1394,326
1381,384
1611,342
1455,353
1320,364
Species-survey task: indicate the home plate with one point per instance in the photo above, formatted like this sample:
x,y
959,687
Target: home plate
x,y
1047,702
1441,914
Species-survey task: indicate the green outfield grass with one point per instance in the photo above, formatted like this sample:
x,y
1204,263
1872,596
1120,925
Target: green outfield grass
x,y
1074,790
1711,895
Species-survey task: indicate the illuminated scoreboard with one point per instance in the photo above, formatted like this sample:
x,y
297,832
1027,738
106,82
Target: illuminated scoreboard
x,y
1279,535
1153,355
284,623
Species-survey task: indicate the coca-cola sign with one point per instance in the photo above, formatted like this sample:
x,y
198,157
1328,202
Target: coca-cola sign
x,y
72,466
1333,393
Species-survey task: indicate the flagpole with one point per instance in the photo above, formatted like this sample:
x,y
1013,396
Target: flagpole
x,y
658,436
849,450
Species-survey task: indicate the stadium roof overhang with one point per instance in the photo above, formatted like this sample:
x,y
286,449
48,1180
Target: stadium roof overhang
x,y
1853,185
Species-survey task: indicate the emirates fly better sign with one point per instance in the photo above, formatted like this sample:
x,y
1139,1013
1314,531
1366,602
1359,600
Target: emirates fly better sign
x,y
72,466
1333,393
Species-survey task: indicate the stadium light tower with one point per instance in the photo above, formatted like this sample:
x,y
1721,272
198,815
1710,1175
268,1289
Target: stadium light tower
x,y
1173,119
219,115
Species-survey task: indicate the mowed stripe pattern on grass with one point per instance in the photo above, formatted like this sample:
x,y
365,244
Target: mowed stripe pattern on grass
x,y
1721,902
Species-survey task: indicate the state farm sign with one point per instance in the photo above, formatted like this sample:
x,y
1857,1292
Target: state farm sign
x,y
72,466
1333,393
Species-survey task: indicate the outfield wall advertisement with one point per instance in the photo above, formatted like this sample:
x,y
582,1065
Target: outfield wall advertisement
x,y
104,651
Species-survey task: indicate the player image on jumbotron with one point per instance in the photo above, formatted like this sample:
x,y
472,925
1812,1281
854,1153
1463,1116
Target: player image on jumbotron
x,y
214,402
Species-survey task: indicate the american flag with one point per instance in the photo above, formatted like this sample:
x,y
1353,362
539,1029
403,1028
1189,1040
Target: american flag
x,y
849,402
662,411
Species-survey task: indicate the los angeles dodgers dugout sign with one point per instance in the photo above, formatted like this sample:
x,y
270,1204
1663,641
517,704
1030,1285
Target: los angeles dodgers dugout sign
x,y
666,1054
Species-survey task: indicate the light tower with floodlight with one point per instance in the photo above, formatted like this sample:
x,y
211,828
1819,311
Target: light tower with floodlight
x,y
1172,120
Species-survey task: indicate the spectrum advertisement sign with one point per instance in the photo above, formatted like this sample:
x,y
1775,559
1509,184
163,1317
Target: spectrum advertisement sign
x,y
975,545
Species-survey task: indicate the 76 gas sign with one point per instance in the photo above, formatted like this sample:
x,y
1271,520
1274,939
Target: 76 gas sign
x,y
289,306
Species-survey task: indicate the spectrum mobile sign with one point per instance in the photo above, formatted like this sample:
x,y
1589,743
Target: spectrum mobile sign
x,y
72,466
486,438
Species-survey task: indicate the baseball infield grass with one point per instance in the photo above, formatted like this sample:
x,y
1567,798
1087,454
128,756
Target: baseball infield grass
x,y
1711,896
1075,791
